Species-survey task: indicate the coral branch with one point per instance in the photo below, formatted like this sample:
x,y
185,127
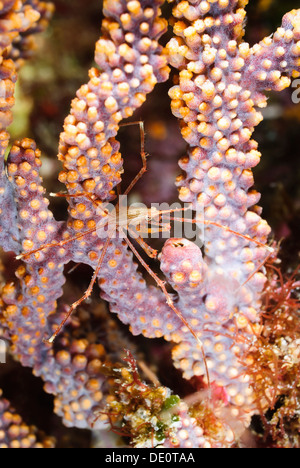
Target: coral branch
x,y
130,62
17,19
216,101
73,369
14,433
9,232
41,277
275,59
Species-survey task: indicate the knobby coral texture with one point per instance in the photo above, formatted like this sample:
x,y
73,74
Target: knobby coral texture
x,y
16,434
226,296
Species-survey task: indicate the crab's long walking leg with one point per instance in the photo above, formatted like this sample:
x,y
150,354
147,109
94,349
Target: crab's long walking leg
x,y
86,294
97,204
170,302
257,269
161,284
225,228
243,236
210,223
152,253
55,244
143,156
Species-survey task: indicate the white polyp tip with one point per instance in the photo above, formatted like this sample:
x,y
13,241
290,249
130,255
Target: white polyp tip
x,y
52,194
270,249
19,257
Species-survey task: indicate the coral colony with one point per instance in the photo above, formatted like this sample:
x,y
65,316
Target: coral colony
x,y
231,317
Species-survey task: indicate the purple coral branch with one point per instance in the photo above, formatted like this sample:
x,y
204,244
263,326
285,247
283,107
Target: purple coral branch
x,y
15,433
216,102
273,61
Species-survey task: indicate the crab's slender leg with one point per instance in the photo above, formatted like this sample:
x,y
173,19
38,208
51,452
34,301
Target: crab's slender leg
x,y
257,269
170,302
152,253
97,204
86,294
55,244
225,228
143,156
